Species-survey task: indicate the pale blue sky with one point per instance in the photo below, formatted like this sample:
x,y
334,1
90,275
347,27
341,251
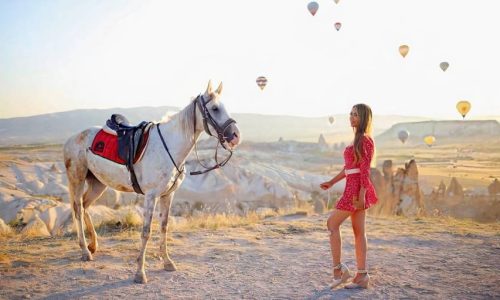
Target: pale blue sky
x,y
63,55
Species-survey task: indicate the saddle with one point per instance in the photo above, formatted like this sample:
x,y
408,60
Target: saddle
x,y
131,143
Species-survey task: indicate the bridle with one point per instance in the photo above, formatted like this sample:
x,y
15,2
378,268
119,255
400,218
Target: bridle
x,y
220,130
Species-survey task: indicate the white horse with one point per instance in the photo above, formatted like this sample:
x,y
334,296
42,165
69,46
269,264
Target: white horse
x,y
159,172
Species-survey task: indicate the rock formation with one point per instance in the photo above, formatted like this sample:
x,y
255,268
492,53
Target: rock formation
x,y
398,192
323,145
494,189
454,190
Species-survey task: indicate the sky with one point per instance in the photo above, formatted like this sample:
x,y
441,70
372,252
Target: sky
x,y
71,54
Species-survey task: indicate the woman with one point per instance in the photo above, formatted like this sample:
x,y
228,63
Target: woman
x,y
359,194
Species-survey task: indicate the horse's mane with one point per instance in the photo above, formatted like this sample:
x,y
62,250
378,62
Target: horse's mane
x,y
186,118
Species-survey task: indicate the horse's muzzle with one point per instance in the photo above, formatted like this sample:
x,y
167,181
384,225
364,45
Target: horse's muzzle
x,y
232,136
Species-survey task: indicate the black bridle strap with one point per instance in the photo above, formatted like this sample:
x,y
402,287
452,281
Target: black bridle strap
x,y
166,148
206,115
220,133
208,169
208,118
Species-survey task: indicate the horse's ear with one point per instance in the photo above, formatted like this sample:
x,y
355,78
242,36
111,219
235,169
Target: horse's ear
x,y
209,88
219,89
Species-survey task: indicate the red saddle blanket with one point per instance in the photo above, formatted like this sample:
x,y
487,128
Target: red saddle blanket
x,y
106,145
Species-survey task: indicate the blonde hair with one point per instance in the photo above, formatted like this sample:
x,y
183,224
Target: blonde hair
x,y
365,127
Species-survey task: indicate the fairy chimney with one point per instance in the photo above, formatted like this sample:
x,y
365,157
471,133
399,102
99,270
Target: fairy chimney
x,y
387,170
407,190
441,189
323,145
494,188
454,190
380,188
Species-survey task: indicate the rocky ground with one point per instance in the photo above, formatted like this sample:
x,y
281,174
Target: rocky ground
x,y
284,257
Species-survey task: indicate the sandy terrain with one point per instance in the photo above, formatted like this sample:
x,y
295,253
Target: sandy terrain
x,y
276,258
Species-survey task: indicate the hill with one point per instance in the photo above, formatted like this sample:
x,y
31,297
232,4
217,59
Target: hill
x,y
443,131
57,127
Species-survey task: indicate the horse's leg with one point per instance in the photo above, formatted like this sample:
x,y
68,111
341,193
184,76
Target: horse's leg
x,y
76,183
94,191
149,208
165,202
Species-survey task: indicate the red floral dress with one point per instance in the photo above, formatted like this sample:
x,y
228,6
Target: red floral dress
x,y
354,182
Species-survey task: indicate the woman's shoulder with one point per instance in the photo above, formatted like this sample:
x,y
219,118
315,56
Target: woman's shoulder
x,y
368,140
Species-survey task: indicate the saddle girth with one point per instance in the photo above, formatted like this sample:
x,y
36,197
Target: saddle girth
x,y
130,140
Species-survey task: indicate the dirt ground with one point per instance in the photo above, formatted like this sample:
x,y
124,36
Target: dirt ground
x,y
285,257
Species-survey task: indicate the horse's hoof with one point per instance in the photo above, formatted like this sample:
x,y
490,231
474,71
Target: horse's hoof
x,y
92,248
87,257
140,278
170,266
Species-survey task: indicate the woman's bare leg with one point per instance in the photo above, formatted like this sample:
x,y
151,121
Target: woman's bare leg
x,y
334,221
358,227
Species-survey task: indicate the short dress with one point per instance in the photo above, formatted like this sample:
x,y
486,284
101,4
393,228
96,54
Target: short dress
x,y
355,181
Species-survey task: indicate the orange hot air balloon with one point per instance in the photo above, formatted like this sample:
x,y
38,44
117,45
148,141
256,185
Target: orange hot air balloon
x,y
403,50
463,107
336,1
331,119
429,140
261,82
313,7
338,25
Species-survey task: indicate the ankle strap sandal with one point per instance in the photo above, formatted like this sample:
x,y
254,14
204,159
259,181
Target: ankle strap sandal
x,y
345,275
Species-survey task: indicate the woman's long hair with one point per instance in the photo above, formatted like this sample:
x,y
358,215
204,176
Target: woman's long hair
x,y
365,127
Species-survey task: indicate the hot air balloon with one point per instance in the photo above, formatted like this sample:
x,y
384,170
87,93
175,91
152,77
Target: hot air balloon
x,y
313,7
429,140
403,50
338,25
336,1
403,135
331,119
444,65
463,107
261,82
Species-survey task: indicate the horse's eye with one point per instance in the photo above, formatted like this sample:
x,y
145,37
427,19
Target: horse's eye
x,y
215,108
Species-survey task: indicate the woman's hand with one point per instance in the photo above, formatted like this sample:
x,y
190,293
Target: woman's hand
x,y
326,185
358,202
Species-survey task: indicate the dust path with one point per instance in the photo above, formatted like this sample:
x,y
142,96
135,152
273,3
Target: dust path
x,y
279,258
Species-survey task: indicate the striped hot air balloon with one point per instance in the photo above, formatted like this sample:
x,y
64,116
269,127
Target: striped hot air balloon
x,y
338,25
261,82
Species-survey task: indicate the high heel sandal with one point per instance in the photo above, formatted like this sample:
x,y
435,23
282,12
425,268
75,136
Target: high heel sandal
x,y
361,283
345,275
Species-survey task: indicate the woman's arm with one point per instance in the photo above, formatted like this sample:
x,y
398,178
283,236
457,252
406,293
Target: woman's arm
x,y
328,184
364,167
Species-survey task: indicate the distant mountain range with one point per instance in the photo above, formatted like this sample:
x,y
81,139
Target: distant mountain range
x,y
57,127
444,131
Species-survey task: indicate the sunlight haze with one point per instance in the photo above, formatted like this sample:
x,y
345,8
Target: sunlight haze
x,y
64,55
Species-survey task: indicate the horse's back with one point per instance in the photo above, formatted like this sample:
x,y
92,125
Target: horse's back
x,y
76,144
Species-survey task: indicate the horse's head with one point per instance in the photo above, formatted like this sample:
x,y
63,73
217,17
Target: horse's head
x,y
216,120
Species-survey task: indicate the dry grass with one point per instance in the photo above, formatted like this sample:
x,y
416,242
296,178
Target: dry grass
x,y
217,221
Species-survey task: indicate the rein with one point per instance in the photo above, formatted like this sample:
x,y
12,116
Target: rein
x,y
207,118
